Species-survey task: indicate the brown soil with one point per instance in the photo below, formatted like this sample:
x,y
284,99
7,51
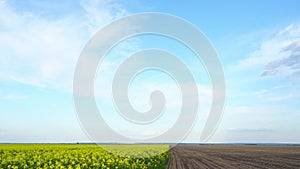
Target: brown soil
x,y
233,156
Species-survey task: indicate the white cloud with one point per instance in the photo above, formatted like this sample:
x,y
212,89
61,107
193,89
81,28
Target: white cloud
x,y
28,81
282,98
288,62
292,30
252,111
42,52
101,12
278,54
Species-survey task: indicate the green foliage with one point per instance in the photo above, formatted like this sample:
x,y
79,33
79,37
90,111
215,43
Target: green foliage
x,y
69,156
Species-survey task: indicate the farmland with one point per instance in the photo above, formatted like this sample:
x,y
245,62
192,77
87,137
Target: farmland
x,y
67,156
234,156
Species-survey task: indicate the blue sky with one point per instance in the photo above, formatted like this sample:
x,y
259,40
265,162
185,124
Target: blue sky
x,y
258,43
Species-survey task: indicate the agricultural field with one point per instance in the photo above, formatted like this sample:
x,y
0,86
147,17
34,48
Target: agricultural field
x,y
234,156
69,156
83,156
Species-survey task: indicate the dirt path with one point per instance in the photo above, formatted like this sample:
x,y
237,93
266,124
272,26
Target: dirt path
x,y
217,156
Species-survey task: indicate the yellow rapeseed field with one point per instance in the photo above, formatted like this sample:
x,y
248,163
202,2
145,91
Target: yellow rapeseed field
x,y
83,156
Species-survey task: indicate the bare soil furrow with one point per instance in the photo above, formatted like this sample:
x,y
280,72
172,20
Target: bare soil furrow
x,y
233,156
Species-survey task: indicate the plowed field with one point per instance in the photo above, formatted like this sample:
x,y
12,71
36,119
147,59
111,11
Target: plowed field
x,y
228,156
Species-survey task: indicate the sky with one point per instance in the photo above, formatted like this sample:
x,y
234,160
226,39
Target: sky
x,y
258,44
